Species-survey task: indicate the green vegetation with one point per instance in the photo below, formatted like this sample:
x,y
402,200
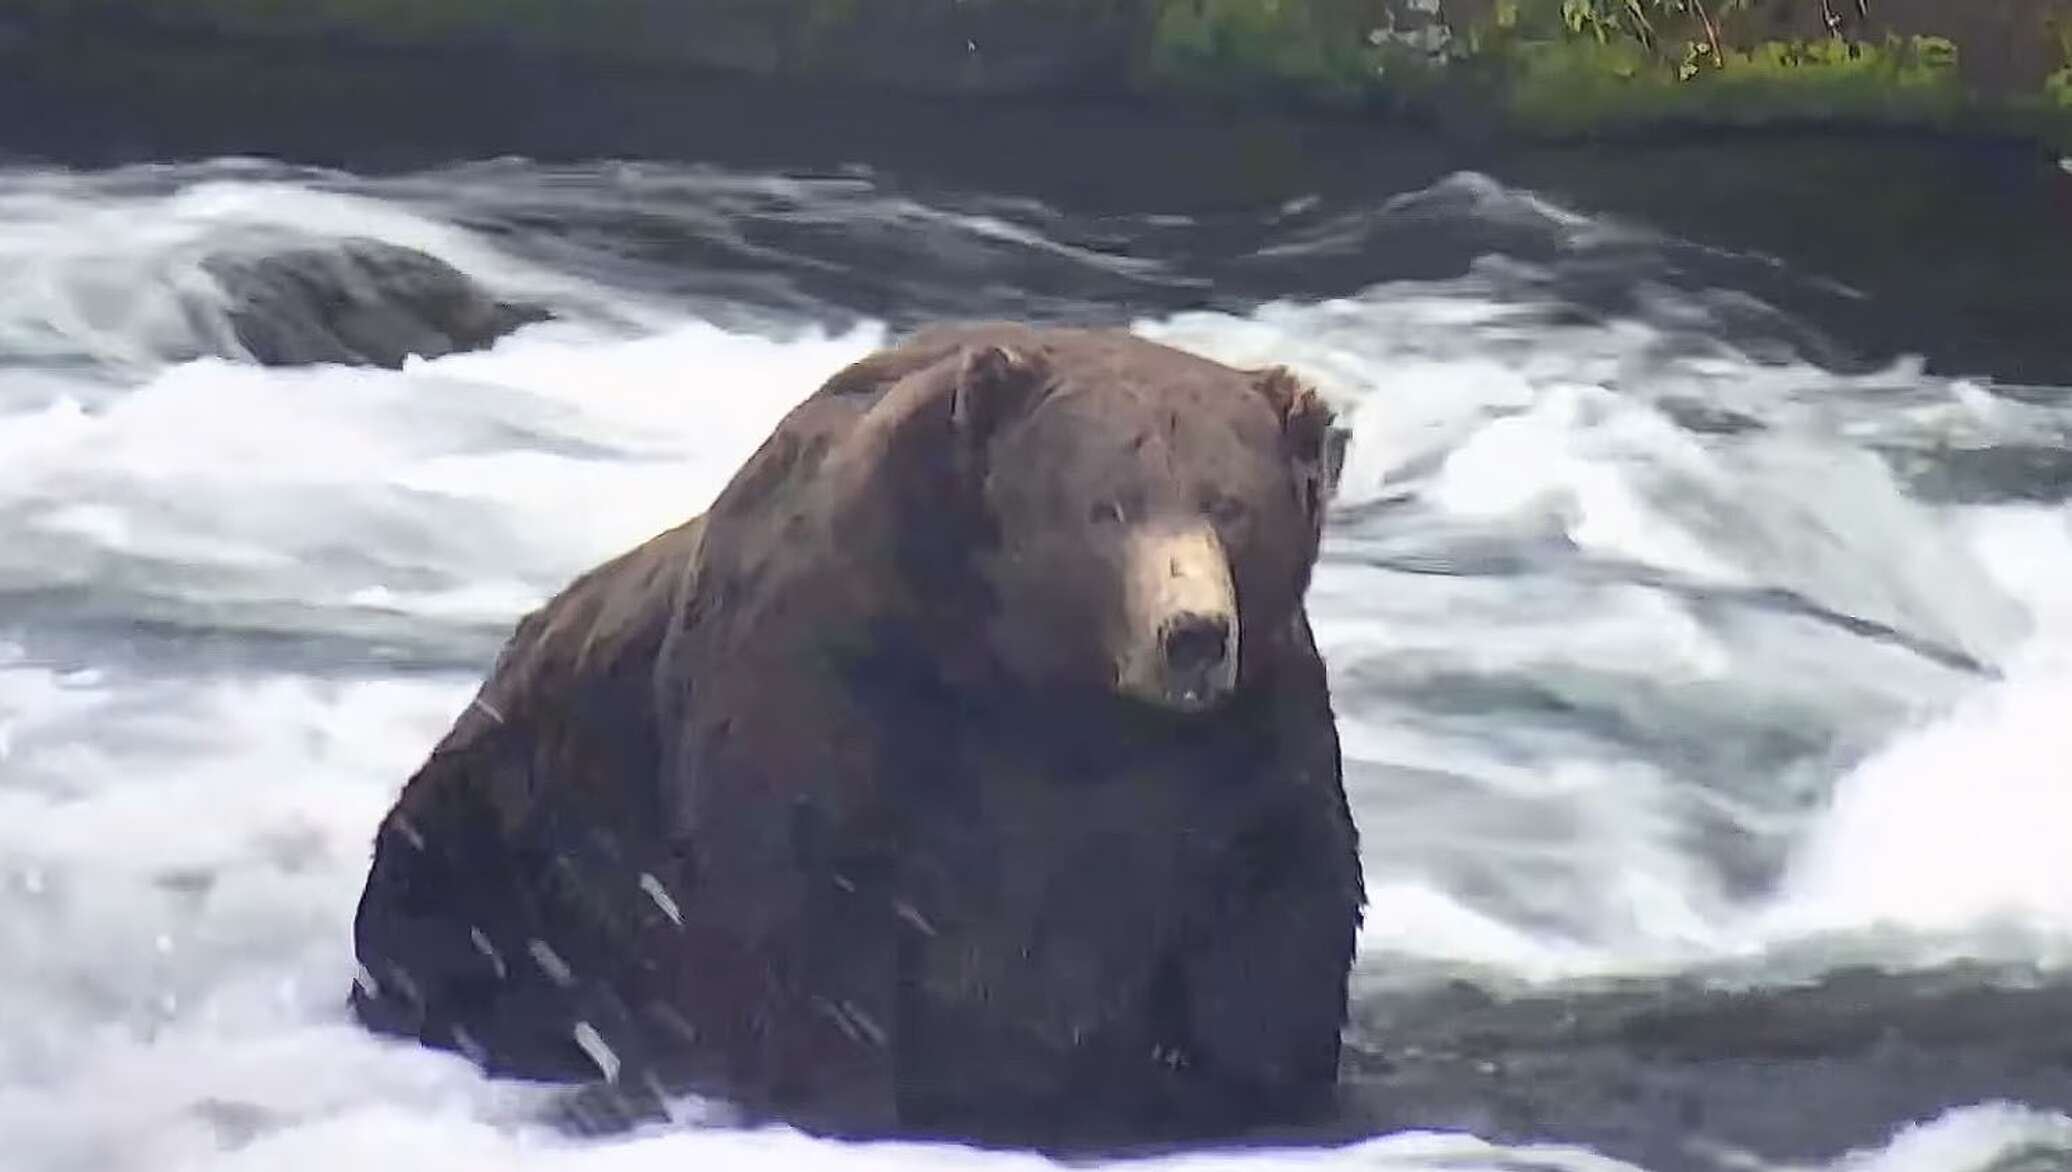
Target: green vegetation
x,y
1543,66
1332,51
1576,85
2057,88
1595,63
1570,67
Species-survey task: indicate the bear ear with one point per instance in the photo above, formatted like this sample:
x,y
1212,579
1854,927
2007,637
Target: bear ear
x,y
994,384
1316,444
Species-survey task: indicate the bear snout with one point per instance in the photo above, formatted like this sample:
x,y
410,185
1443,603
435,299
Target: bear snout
x,y
1180,625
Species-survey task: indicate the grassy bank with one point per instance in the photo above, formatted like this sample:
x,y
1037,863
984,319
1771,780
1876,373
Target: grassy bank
x,y
1590,67
1543,67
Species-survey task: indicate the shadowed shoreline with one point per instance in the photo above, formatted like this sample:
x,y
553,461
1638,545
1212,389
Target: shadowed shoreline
x,y
1951,248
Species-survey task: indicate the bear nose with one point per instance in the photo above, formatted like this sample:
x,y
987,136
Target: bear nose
x,y
1195,645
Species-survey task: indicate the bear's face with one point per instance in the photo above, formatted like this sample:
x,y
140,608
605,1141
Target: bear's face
x,y
1154,515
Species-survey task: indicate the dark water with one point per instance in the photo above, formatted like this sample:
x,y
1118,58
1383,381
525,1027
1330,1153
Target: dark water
x,y
1896,244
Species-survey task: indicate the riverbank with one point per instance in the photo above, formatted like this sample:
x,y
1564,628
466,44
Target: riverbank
x,y
1937,244
1545,69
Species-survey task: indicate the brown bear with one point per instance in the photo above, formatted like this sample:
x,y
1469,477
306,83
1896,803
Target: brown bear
x,y
966,770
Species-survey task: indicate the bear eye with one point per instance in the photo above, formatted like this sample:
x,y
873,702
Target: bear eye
x,y
1224,509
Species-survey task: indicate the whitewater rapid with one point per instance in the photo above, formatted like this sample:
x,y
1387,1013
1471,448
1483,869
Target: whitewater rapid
x,y
1656,650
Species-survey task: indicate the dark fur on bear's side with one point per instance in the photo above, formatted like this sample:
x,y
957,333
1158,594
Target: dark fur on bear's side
x,y
825,802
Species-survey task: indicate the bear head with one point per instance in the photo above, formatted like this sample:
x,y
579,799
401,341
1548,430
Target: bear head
x,y
1140,521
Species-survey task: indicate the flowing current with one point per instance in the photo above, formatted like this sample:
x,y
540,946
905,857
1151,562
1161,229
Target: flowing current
x,y
1664,646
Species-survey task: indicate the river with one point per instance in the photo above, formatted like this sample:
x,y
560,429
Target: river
x,y
1702,671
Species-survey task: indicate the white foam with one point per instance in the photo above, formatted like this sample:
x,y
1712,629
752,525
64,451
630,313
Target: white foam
x,y
393,1139
462,489
178,859
1548,749
1564,444
1415,919
111,267
1581,459
1972,1139
1945,837
1956,826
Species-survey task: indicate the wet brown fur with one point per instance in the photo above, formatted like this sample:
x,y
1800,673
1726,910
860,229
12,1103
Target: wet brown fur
x,y
819,802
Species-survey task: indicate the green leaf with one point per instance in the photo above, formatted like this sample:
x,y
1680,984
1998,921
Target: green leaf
x,y
1936,52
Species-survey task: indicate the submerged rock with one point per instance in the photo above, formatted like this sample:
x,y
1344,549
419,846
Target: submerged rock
x,y
359,302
